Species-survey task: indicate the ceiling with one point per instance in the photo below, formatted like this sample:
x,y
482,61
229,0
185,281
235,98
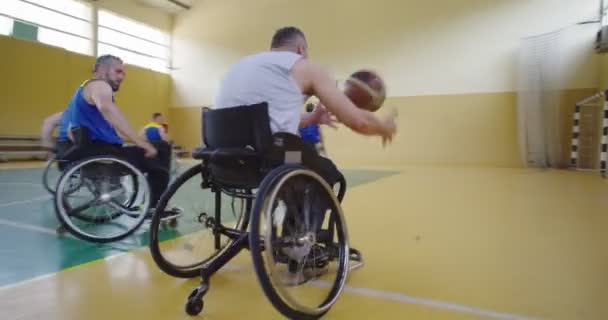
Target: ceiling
x,y
171,6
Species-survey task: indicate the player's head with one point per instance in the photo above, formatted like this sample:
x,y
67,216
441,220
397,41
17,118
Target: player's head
x,y
111,69
290,39
157,117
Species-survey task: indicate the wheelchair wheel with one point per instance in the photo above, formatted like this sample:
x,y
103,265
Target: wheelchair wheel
x,y
108,203
51,175
181,250
49,182
299,242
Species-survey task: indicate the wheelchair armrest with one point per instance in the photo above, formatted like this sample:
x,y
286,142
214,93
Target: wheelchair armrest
x,y
224,153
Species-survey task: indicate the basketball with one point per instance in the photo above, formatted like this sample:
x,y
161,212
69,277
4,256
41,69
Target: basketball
x,y
366,89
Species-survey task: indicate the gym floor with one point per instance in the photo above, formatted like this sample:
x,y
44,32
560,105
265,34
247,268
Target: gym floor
x,y
439,243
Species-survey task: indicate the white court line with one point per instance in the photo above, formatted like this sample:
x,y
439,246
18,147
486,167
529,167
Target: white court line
x,y
226,268
52,274
14,203
21,184
28,227
18,284
387,295
426,302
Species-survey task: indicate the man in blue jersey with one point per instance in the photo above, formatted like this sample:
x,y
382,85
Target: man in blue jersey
x,y
154,130
312,133
92,107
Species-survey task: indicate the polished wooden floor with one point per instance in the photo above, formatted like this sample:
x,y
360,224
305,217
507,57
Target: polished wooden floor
x,y
439,243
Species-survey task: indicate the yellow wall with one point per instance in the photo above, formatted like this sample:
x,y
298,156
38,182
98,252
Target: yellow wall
x,y
465,129
420,47
603,79
38,80
450,68
185,126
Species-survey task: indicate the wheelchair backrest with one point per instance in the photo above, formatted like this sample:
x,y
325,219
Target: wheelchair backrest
x,y
81,136
238,127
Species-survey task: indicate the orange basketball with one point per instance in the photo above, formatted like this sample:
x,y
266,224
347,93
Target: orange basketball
x,y
365,88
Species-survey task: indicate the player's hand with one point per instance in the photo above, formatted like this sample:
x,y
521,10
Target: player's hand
x,y
390,127
149,150
325,117
47,143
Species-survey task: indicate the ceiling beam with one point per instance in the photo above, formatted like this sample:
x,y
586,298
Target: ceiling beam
x,y
180,4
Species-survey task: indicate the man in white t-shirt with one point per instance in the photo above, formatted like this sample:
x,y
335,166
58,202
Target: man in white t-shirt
x,y
284,77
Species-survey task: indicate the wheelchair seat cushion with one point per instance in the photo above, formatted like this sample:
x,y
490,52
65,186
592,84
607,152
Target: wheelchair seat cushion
x,y
232,166
218,154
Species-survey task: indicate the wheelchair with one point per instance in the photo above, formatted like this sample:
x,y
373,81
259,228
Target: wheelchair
x,y
55,165
100,198
257,191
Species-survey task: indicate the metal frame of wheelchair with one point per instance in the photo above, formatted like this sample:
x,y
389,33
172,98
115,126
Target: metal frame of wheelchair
x,y
289,194
114,185
51,186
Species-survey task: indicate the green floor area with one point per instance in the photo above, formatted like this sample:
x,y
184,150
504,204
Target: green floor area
x,y
30,247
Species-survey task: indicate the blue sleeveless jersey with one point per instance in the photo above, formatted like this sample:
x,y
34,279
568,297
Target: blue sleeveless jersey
x,y
311,133
63,126
152,131
84,114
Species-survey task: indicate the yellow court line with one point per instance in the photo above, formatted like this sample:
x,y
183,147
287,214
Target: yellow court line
x,y
22,165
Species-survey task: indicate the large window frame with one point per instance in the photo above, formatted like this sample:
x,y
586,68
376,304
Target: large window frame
x,y
51,22
136,42
84,28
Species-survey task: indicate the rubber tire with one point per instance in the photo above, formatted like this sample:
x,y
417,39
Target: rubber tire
x,y
255,242
77,233
155,226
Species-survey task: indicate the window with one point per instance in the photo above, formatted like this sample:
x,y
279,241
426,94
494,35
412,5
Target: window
x,y
68,24
6,26
62,23
134,42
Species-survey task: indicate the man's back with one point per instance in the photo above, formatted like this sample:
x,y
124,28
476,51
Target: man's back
x,y
265,77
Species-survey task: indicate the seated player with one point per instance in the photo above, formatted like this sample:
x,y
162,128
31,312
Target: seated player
x,y
155,129
284,77
92,107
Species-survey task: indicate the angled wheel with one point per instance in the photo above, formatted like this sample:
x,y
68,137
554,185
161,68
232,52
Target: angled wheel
x,y
107,203
293,207
181,249
51,175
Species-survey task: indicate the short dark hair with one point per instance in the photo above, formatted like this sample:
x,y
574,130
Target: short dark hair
x,y
156,115
285,35
105,59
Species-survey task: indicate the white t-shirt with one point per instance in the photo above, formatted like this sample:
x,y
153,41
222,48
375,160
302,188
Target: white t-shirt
x,y
264,77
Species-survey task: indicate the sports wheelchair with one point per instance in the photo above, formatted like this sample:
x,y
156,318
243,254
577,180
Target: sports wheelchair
x,y
56,163
269,196
99,198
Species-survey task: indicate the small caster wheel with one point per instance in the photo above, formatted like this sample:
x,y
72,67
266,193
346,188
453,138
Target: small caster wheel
x,y
195,304
194,307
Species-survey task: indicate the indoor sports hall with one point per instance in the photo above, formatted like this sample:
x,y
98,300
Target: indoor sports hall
x,y
490,201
